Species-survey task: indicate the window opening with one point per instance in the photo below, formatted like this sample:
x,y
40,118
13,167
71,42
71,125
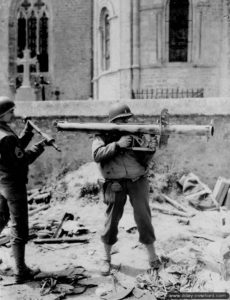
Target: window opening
x,y
178,30
33,28
105,39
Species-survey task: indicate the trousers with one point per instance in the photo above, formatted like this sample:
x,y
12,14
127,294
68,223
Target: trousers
x,y
14,206
138,192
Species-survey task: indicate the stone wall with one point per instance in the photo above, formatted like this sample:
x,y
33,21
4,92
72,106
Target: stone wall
x,y
139,58
92,108
138,54
203,66
208,159
4,11
70,47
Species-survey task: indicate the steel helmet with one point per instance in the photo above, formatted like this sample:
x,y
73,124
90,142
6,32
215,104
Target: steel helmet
x,y
119,111
6,105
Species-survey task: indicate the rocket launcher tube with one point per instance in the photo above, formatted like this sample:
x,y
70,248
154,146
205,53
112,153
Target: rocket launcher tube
x,y
152,129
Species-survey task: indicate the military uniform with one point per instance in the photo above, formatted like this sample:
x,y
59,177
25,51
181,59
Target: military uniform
x,y
14,161
125,174
124,168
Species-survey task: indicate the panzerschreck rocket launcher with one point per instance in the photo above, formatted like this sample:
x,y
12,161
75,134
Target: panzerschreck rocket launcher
x,y
162,128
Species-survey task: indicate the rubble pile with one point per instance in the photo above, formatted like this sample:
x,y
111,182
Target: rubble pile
x,y
90,191
191,221
172,279
51,230
64,282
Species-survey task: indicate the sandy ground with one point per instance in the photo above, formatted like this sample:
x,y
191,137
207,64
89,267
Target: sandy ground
x,y
177,241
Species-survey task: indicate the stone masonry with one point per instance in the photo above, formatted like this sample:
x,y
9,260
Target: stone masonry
x,y
139,51
70,47
138,48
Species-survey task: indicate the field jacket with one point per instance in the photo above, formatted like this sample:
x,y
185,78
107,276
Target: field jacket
x,y
14,159
114,162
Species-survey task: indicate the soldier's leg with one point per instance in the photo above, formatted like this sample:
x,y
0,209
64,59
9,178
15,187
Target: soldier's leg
x,y
4,213
113,215
139,198
18,207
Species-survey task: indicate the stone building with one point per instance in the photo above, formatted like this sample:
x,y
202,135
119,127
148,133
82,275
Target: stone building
x,y
116,49
58,34
164,48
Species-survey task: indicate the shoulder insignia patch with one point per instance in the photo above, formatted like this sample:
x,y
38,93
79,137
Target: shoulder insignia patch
x,y
18,152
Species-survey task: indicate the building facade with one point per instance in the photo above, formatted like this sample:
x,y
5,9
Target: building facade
x,y
116,49
164,48
58,34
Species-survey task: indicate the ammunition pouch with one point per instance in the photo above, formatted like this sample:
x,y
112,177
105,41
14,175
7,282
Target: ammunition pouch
x,y
109,190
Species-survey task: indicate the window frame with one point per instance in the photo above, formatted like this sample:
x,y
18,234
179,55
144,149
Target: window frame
x,y
189,35
38,14
105,39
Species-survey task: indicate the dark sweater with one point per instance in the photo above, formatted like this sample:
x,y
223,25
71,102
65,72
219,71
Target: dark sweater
x,y
14,159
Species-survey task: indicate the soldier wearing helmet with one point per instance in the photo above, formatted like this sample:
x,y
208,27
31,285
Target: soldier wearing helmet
x,y
125,174
120,111
14,161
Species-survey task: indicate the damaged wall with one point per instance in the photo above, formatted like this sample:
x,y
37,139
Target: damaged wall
x,y
207,159
186,106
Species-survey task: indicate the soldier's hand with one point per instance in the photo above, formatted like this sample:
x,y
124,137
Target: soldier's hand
x,y
46,142
28,126
125,141
154,142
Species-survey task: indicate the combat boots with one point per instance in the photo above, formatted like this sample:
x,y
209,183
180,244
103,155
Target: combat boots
x,y
22,272
105,267
154,261
26,275
106,261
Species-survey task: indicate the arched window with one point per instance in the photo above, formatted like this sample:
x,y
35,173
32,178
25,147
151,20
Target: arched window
x,y
105,39
178,30
32,34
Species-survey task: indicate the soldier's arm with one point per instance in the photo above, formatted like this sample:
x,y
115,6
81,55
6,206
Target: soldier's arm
x,y
26,136
13,155
101,151
34,152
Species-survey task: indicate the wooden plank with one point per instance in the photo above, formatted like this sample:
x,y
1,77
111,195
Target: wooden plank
x,y
175,203
171,211
33,212
60,240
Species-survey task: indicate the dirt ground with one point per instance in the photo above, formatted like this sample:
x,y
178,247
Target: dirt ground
x,y
195,247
